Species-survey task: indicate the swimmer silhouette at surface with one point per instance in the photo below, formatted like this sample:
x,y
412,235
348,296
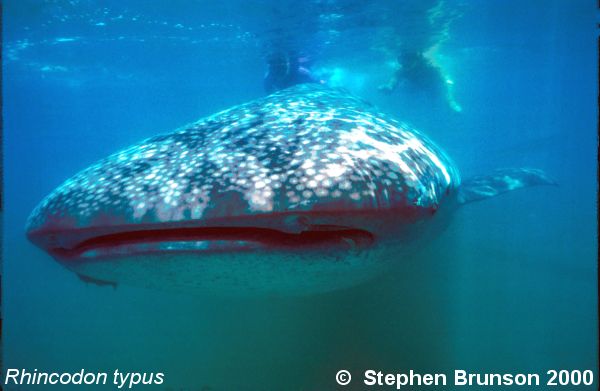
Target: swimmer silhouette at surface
x,y
415,69
419,74
414,49
286,70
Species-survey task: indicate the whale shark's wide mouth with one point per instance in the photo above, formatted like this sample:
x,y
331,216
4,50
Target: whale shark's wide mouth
x,y
203,240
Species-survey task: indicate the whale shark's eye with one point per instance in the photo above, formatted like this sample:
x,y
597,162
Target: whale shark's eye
x,y
211,239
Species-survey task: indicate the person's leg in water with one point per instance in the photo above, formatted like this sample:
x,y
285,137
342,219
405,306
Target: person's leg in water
x,y
277,72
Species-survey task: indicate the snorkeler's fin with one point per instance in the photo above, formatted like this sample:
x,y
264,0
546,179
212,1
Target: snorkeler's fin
x,y
450,96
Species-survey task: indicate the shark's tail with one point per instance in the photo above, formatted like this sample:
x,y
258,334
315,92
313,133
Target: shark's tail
x,y
501,181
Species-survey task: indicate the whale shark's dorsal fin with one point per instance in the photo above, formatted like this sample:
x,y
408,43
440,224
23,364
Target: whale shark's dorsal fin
x,y
501,181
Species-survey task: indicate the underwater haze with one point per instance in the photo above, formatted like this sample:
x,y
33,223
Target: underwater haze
x,y
509,287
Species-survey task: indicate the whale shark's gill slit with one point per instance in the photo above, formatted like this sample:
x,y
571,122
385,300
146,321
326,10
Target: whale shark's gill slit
x,y
211,239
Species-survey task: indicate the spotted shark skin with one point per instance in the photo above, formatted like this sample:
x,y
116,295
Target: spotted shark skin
x,y
302,149
306,172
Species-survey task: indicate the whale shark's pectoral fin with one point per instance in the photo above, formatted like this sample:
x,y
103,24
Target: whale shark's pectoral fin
x,y
501,181
96,281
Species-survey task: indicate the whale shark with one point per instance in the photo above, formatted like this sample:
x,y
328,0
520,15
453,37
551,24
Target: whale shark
x,y
307,190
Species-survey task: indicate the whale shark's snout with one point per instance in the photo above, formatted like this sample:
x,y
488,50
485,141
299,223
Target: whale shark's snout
x,y
302,184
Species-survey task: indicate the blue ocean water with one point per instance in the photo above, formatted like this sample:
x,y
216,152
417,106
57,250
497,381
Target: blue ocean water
x,y
510,286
